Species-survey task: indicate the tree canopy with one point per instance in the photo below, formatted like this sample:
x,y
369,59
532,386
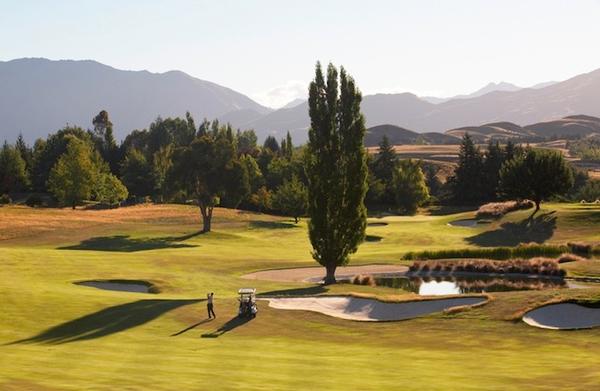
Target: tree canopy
x,y
336,167
537,174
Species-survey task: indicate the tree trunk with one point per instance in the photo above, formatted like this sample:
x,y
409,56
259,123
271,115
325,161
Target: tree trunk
x,y
296,220
206,212
330,274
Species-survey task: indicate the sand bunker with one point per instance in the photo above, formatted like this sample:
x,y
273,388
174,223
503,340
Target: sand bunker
x,y
354,308
316,274
468,223
563,316
120,285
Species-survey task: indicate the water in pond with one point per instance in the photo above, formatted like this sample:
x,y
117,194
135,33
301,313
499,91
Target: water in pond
x,y
124,286
462,285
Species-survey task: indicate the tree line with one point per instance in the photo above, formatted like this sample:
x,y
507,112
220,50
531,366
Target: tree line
x,y
210,164
173,160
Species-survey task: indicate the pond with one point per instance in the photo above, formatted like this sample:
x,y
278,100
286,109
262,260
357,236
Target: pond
x,y
120,285
453,285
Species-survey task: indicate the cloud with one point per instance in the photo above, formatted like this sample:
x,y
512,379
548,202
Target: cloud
x,y
281,95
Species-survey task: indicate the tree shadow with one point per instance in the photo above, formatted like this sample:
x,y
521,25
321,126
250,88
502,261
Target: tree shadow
x,y
227,326
308,291
445,210
532,229
191,327
125,243
108,321
271,225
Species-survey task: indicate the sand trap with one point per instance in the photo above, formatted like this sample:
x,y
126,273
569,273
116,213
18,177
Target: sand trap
x,y
316,274
354,308
563,316
119,285
468,223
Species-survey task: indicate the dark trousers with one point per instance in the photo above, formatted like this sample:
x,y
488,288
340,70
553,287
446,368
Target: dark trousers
x,y
211,311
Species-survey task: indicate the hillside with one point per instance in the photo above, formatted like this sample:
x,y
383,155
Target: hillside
x,y
400,136
543,103
575,125
39,96
568,127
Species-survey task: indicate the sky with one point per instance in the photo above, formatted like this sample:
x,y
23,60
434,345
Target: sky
x,y
267,49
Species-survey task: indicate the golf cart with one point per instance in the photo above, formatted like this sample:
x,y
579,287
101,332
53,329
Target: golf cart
x,y
247,299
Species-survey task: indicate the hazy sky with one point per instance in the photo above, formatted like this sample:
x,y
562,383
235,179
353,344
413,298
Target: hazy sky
x,y
267,49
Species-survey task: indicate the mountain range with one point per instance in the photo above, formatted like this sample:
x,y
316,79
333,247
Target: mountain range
x,y
40,96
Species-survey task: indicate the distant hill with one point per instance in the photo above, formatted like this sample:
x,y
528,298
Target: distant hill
x,y
574,125
570,126
491,87
483,133
294,103
39,96
401,136
547,102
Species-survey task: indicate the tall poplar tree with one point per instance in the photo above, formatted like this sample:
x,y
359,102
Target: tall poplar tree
x,y
336,167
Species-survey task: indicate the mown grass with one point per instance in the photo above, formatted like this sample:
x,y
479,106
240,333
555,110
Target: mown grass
x,y
57,335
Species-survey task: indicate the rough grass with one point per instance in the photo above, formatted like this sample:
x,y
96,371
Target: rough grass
x,y
540,266
498,253
74,337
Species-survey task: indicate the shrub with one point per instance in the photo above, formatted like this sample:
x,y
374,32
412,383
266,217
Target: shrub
x,y
566,257
521,251
34,200
580,248
363,280
539,265
5,199
499,209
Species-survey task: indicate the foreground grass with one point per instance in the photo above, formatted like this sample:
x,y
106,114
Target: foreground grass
x,y
57,335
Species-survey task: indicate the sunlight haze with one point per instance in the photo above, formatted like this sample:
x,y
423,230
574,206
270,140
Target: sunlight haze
x,y
266,49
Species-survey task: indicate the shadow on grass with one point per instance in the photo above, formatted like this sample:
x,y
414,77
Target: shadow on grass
x,y
125,243
308,291
533,229
271,225
108,321
227,326
191,327
446,210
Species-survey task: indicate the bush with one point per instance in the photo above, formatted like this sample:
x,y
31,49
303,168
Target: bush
x,y
566,257
521,251
363,280
580,248
5,199
539,265
499,209
34,200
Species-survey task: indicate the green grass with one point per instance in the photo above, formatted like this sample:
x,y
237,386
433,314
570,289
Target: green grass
x,y
58,335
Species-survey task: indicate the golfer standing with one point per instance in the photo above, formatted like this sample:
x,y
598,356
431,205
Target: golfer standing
x,y
210,306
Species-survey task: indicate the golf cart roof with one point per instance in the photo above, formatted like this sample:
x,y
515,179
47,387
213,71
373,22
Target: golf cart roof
x,y
247,291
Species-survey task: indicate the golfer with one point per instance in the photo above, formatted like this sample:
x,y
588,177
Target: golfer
x,y
209,305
